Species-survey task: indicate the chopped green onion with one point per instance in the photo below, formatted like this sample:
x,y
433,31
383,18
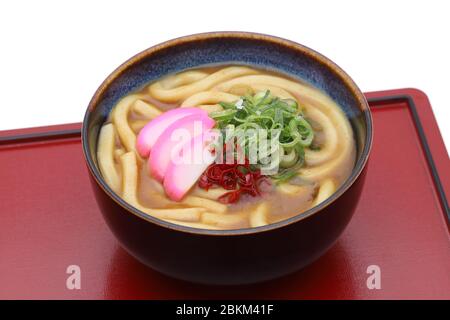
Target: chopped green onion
x,y
223,115
265,111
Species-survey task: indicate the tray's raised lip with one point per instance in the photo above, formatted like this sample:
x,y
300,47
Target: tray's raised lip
x,y
403,95
423,140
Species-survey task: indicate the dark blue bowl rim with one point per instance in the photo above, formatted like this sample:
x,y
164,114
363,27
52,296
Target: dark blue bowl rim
x,y
351,85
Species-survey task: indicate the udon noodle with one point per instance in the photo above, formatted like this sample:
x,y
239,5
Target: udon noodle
x,y
324,169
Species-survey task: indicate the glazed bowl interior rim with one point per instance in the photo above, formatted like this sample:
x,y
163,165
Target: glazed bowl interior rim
x,y
356,171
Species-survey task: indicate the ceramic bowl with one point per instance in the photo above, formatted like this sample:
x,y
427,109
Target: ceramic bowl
x,y
229,256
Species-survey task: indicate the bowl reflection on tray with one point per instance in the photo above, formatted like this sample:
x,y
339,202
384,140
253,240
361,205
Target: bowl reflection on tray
x,y
248,252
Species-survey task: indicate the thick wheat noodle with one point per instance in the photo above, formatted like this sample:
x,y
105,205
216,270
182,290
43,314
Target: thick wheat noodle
x,y
290,189
317,100
301,192
337,165
157,186
118,153
276,91
105,156
327,188
137,125
182,78
208,97
204,203
258,217
145,109
329,148
120,121
212,194
129,194
345,143
224,221
198,225
210,107
198,198
183,92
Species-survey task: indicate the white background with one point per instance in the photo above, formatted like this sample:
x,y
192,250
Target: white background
x,y
54,54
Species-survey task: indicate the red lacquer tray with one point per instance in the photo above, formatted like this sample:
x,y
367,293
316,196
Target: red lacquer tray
x,y
49,220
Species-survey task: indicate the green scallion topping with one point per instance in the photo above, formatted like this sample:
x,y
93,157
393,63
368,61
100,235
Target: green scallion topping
x,y
265,111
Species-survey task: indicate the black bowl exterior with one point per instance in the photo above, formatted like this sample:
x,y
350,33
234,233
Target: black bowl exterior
x,y
230,259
